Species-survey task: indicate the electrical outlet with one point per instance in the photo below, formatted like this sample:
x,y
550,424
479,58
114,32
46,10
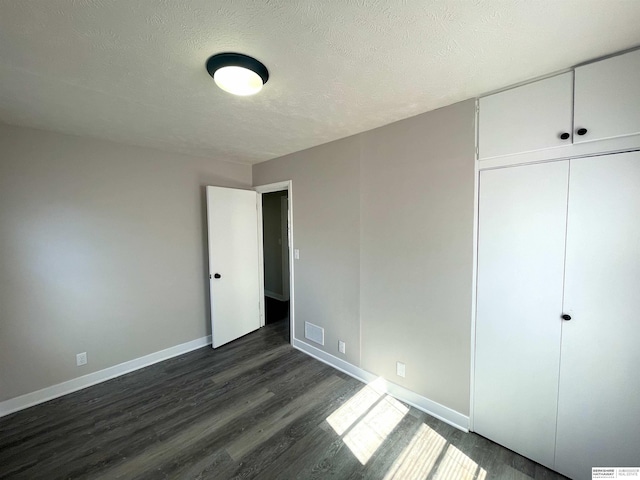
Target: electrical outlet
x,y
400,369
296,253
81,359
342,347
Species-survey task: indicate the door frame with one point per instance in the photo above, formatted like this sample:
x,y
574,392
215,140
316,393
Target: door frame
x,y
284,247
474,272
269,188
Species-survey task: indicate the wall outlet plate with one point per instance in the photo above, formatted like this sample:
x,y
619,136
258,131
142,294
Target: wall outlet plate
x,y
296,254
342,347
401,369
81,359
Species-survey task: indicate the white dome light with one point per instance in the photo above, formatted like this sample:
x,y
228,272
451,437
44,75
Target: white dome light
x,y
237,73
238,80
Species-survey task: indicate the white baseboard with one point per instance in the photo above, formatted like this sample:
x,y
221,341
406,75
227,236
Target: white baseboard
x,y
275,296
434,409
49,393
446,414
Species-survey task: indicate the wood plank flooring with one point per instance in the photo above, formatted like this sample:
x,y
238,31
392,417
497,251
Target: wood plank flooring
x,y
255,408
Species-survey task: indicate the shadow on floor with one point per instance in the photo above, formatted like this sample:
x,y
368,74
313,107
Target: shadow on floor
x,y
276,310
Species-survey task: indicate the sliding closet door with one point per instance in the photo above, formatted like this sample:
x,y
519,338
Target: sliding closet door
x,y
522,222
599,403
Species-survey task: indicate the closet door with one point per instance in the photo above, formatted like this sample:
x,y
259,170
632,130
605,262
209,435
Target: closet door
x,y
599,402
526,118
607,98
521,242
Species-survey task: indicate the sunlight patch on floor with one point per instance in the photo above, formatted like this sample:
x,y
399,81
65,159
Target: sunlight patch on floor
x,y
455,465
369,433
419,456
482,474
366,420
345,416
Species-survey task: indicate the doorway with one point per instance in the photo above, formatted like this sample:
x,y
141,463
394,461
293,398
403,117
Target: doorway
x,y
276,256
276,243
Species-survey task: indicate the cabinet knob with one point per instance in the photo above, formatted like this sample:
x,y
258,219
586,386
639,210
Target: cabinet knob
x,y
581,131
217,275
566,317
564,136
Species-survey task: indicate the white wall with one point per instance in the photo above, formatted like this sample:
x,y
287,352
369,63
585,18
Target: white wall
x,y
384,224
102,249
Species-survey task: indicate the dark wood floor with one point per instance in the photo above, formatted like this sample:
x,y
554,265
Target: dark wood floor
x,y
255,408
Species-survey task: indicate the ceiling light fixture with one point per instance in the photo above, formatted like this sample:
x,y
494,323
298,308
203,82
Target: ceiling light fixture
x,y
237,73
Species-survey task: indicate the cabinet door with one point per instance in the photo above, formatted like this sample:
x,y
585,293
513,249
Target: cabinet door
x,y
599,398
521,241
607,98
527,118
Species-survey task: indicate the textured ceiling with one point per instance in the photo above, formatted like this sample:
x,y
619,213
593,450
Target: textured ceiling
x,y
132,71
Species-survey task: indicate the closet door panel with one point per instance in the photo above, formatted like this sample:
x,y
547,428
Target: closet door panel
x,y
607,98
599,401
522,222
526,118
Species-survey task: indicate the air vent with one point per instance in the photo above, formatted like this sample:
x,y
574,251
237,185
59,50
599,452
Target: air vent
x,y
314,333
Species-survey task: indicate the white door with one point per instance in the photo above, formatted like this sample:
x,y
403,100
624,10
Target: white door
x,y
527,118
607,98
232,219
599,402
521,241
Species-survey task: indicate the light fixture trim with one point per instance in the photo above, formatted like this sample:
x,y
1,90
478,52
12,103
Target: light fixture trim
x,y
231,59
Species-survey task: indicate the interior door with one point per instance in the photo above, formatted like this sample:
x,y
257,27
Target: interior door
x,y
232,219
599,401
521,241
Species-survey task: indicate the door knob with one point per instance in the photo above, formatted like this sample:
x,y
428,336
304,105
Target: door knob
x,y
217,275
566,317
581,131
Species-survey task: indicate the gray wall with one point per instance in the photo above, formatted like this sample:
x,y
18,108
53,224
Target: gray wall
x,y
326,229
102,249
272,240
417,252
384,224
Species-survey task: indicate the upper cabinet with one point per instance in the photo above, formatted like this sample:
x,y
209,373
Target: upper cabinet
x,y
607,98
532,117
557,118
